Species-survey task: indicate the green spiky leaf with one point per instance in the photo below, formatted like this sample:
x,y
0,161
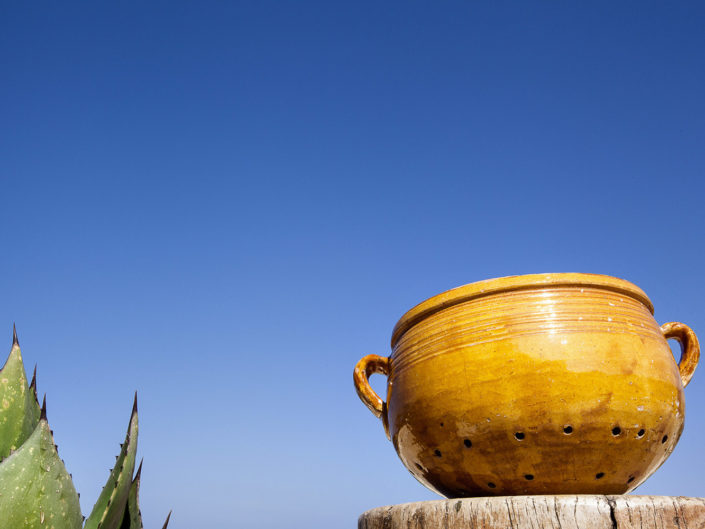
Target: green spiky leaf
x,y
110,508
37,491
132,519
19,410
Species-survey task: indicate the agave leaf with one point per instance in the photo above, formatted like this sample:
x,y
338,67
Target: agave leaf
x,y
19,410
109,510
36,491
132,519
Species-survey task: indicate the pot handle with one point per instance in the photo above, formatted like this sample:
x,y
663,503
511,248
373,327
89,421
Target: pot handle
x,y
690,348
366,367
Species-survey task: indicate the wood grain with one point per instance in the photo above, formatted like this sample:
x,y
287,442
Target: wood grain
x,y
542,512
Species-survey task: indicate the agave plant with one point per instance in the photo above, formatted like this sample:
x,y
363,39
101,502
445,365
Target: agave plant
x,y
36,491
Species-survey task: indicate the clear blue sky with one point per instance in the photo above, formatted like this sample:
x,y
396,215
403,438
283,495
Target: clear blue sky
x,y
224,205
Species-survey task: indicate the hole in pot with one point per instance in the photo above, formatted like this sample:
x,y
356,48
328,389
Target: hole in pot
x,y
528,477
467,443
599,475
616,431
640,433
568,429
419,467
519,436
491,485
442,425
631,478
437,453
665,438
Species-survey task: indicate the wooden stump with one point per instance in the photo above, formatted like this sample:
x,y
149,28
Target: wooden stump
x,y
539,512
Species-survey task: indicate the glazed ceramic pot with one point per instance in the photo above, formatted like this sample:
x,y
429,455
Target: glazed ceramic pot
x,y
536,384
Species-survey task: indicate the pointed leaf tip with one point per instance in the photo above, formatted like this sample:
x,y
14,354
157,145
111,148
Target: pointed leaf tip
x,y
43,414
33,384
167,520
15,341
134,405
138,474
109,510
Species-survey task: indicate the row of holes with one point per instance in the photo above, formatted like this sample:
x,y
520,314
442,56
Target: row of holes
x,y
520,436
568,429
616,431
530,477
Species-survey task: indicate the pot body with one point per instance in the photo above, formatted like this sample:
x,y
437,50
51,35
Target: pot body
x,y
542,384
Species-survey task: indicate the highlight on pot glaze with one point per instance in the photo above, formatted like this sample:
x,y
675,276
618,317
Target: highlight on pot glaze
x,y
536,384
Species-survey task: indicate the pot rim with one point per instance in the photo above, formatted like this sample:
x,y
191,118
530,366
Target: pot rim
x,y
497,285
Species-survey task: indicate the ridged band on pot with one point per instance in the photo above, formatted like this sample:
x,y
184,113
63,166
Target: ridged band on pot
x,y
537,384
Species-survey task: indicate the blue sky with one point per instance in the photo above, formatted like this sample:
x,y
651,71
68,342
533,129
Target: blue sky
x,y
225,205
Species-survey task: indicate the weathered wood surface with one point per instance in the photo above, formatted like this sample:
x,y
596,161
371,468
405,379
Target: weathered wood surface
x,y
542,512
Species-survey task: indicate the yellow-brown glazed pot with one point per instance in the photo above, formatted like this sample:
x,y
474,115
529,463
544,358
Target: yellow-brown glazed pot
x,y
536,384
